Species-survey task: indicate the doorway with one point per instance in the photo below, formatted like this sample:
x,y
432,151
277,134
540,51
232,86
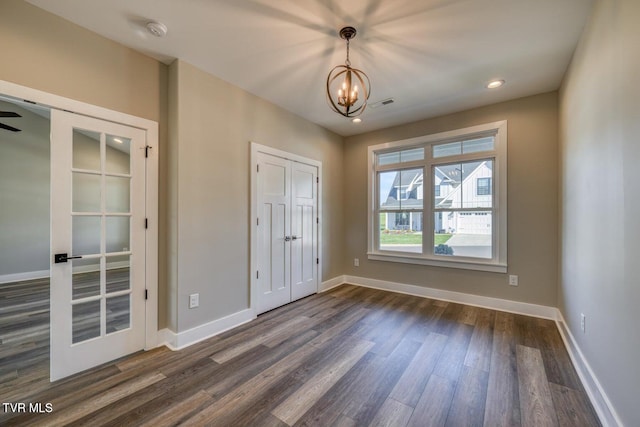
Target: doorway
x,y
24,245
107,287
285,236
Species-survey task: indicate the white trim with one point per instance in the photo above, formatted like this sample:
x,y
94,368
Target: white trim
x,y
599,399
498,263
509,306
178,341
406,258
259,148
151,236
21,277
332,283
49,100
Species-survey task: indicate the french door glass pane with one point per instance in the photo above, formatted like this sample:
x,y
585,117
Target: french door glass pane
x,y
117,234
85,281
117,194
86,192
118,273
118,154
467,234
85,321
86,232
86,150
118,313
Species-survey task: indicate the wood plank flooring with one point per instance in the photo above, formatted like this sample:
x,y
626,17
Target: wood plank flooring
x,y
349,357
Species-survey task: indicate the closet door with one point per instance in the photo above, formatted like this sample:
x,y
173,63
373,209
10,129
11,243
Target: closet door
x,y
304,226
287,231
274,226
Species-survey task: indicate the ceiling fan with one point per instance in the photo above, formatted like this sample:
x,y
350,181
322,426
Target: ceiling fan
x,y
9,114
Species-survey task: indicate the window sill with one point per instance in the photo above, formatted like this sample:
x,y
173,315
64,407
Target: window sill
x,y
448,263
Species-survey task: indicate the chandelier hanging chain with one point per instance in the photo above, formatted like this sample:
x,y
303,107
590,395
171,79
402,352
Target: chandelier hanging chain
x,y
348,62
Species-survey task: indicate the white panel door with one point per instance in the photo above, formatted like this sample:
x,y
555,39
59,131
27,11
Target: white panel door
x,y
97,242
274,248
304,226
287,231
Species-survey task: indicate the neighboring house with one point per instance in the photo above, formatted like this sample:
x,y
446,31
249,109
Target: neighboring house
x,y
466,185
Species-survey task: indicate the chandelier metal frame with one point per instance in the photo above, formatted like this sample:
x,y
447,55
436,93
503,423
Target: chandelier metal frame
x,y
346,102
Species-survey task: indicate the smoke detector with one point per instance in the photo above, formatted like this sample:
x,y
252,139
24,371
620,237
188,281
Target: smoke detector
x,y
158,29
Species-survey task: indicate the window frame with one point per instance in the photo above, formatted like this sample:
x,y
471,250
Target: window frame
x,y
498,262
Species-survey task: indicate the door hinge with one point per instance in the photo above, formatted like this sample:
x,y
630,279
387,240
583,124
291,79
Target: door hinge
x,y
317,260
317,180
257,168
317,220
146,294
146,223
257,221
257,274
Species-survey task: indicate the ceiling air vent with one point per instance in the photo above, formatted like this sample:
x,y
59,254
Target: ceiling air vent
x,y
382,103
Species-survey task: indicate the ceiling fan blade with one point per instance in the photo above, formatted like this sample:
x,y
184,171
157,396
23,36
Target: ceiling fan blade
x,y
9,114
11,128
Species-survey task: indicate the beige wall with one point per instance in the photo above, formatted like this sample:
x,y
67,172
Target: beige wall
x,y
45,52
532,203
600,208
24,193
212,125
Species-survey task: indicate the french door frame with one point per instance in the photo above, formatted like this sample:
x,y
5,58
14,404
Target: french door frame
x,y
255,149
23,93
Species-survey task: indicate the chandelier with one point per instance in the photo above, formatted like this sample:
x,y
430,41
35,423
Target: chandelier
x,y
348,89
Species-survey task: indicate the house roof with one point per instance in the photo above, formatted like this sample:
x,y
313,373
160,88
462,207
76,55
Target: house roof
x,y
450,173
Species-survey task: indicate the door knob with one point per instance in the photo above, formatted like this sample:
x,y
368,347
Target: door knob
x,y
295,237
287,238
58,258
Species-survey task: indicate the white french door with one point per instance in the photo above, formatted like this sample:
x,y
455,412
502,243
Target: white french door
x,y
287,231
97,242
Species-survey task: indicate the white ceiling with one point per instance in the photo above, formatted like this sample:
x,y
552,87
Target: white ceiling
x,y
432,56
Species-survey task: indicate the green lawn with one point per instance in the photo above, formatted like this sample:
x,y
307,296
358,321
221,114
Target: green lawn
x,y
441,238
409,238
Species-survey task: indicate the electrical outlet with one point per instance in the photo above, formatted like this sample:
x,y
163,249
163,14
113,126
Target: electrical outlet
x,y
194,300
583,323
356,262
513,280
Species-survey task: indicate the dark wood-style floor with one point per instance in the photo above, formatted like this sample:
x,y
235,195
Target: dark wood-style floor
x,y
349,357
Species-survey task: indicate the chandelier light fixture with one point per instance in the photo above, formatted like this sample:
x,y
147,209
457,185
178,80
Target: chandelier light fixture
x,y
348,88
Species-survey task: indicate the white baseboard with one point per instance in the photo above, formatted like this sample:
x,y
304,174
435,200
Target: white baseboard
x,y
19,277
332,283
527,309
178,341
597,396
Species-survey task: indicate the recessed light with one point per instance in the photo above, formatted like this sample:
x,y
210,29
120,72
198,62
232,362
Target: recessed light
x,y
158,29
495,84
357,120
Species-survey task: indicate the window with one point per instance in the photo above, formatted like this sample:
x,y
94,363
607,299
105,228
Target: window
x,y
441,199
483,187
